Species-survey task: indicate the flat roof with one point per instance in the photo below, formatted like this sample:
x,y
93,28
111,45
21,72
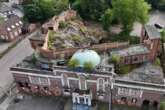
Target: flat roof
x,y
146,73
133,50
152,32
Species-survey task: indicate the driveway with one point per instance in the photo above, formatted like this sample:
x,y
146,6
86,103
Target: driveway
x,y
39,103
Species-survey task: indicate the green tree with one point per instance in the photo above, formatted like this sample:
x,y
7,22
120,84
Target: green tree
x,y
73,63
91,9
107,19
41,10
157,4
129,11
88,66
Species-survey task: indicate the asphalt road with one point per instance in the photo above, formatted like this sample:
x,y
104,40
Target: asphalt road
x,y
14,56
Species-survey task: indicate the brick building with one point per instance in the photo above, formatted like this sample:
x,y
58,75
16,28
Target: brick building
x,y
10,27
47,71
147,50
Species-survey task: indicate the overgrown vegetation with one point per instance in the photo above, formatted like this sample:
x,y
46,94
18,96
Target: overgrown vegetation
x,y
124,37
51,39
62,24
120,68
157,62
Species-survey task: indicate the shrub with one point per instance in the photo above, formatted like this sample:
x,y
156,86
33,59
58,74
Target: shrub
x,y
73,63
157,62
76,38
51,39
88,66
62,24
115,59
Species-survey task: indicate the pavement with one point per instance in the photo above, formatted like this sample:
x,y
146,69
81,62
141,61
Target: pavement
x,y
14,56
39,103
155,17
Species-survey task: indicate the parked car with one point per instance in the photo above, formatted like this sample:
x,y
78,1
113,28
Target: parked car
x,y
158,26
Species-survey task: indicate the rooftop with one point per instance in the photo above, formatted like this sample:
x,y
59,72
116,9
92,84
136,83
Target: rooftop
x,y
132,50
152,32
146,73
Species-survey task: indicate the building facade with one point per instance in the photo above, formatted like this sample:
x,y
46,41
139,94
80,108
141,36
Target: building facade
x,y
11,28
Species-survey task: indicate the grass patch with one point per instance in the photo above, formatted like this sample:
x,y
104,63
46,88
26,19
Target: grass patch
x,y
103,106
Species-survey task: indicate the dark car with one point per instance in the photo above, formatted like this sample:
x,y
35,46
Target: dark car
x,y
61,62
158,26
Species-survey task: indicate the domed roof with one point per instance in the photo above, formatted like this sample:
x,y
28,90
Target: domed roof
x,y
86,55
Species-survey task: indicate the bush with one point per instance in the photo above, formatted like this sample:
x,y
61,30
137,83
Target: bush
x,y
115,59
76,38
88,66
124,69
62,24
73,63
157,62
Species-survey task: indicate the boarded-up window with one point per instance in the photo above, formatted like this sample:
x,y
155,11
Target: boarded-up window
x,y
82,83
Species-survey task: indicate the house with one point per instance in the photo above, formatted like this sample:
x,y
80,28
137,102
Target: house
x,y
10,28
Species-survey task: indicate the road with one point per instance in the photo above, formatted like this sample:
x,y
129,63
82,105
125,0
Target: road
x,y
14,56
155,17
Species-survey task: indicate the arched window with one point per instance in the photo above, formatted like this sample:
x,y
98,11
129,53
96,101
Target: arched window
x,y
65,81
100,84
82,83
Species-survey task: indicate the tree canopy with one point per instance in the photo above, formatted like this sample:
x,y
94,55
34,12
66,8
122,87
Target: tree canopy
x,y
91,9
129,11
41,10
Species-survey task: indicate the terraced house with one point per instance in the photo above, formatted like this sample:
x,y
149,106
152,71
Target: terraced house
x,y
10,27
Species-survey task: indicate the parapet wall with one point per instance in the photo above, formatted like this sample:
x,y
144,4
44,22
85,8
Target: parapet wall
x,y
68,52
54,22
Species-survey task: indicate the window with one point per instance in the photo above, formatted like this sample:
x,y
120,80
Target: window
x,y
34,80
82,83
65,80
135,59
16,24
20,22
15,33
2,37
39,80
8,29
100,84
44,81
13,26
